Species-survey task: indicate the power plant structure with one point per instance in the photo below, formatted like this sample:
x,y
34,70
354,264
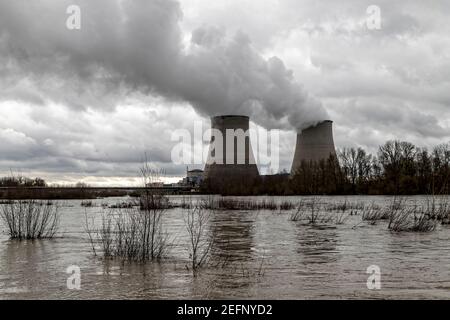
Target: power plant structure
x,y
230,157
314,144
231,164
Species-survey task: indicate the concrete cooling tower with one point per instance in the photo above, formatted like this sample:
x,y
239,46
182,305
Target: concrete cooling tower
x,y
314,143
230,160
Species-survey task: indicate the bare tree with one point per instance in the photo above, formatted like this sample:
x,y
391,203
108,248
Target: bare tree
x,y
135,234
200,240
356,164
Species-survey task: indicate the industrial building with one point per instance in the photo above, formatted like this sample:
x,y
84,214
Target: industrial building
x,y
235,164
193,178
233,170
314,144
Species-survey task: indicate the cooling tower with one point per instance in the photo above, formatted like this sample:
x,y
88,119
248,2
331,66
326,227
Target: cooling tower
x,y
232,159
314,143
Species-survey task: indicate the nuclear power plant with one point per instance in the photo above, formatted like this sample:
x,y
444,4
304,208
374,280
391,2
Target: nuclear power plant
x,y
230,155
231,163
314,144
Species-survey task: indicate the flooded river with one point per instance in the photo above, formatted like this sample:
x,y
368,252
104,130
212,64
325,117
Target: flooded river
x,y
269,257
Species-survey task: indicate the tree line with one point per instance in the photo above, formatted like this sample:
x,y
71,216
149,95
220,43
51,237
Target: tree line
x,y
398,168
20,181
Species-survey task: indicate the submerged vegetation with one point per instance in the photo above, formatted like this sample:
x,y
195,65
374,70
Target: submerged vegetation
x,y
223,203
130,234
399,216
30,220
200,240
411,220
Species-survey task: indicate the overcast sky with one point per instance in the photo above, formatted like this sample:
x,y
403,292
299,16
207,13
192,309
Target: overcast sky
x,y
86,105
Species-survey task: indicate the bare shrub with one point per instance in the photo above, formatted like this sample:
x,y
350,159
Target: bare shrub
x,y
446,220
130,235
200,240
30,220
341,218
345,206
89,231
242,204
299,214
239,204
438,211
411,220
249,273
135,234
397,203
314,212
150,200
444,212
373,213
87,204
286,205
311,212
124,205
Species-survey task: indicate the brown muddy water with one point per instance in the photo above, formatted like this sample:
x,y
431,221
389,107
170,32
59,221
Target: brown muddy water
x,y
270,257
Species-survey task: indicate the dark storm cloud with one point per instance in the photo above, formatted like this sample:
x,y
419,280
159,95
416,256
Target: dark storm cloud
x,y
65,95
137,45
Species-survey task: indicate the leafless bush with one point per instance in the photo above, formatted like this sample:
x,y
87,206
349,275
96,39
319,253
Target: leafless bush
x,y
29,220
411,220
150,200
314,213
223,203
299,214
249,273
135,234
373,213
130,235
87,204
397,204
311,212
345,206
446,220
444,212
286,205
200,240
124,205
341,217
235,204
437,210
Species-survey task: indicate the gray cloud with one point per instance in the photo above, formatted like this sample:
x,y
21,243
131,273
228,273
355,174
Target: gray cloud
x,y
91,102
136,45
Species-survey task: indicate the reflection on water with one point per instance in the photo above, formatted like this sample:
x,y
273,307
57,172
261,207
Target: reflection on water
x,y
255,255
317,244
231,252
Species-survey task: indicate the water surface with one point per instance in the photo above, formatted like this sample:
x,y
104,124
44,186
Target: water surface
x,y
269,257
